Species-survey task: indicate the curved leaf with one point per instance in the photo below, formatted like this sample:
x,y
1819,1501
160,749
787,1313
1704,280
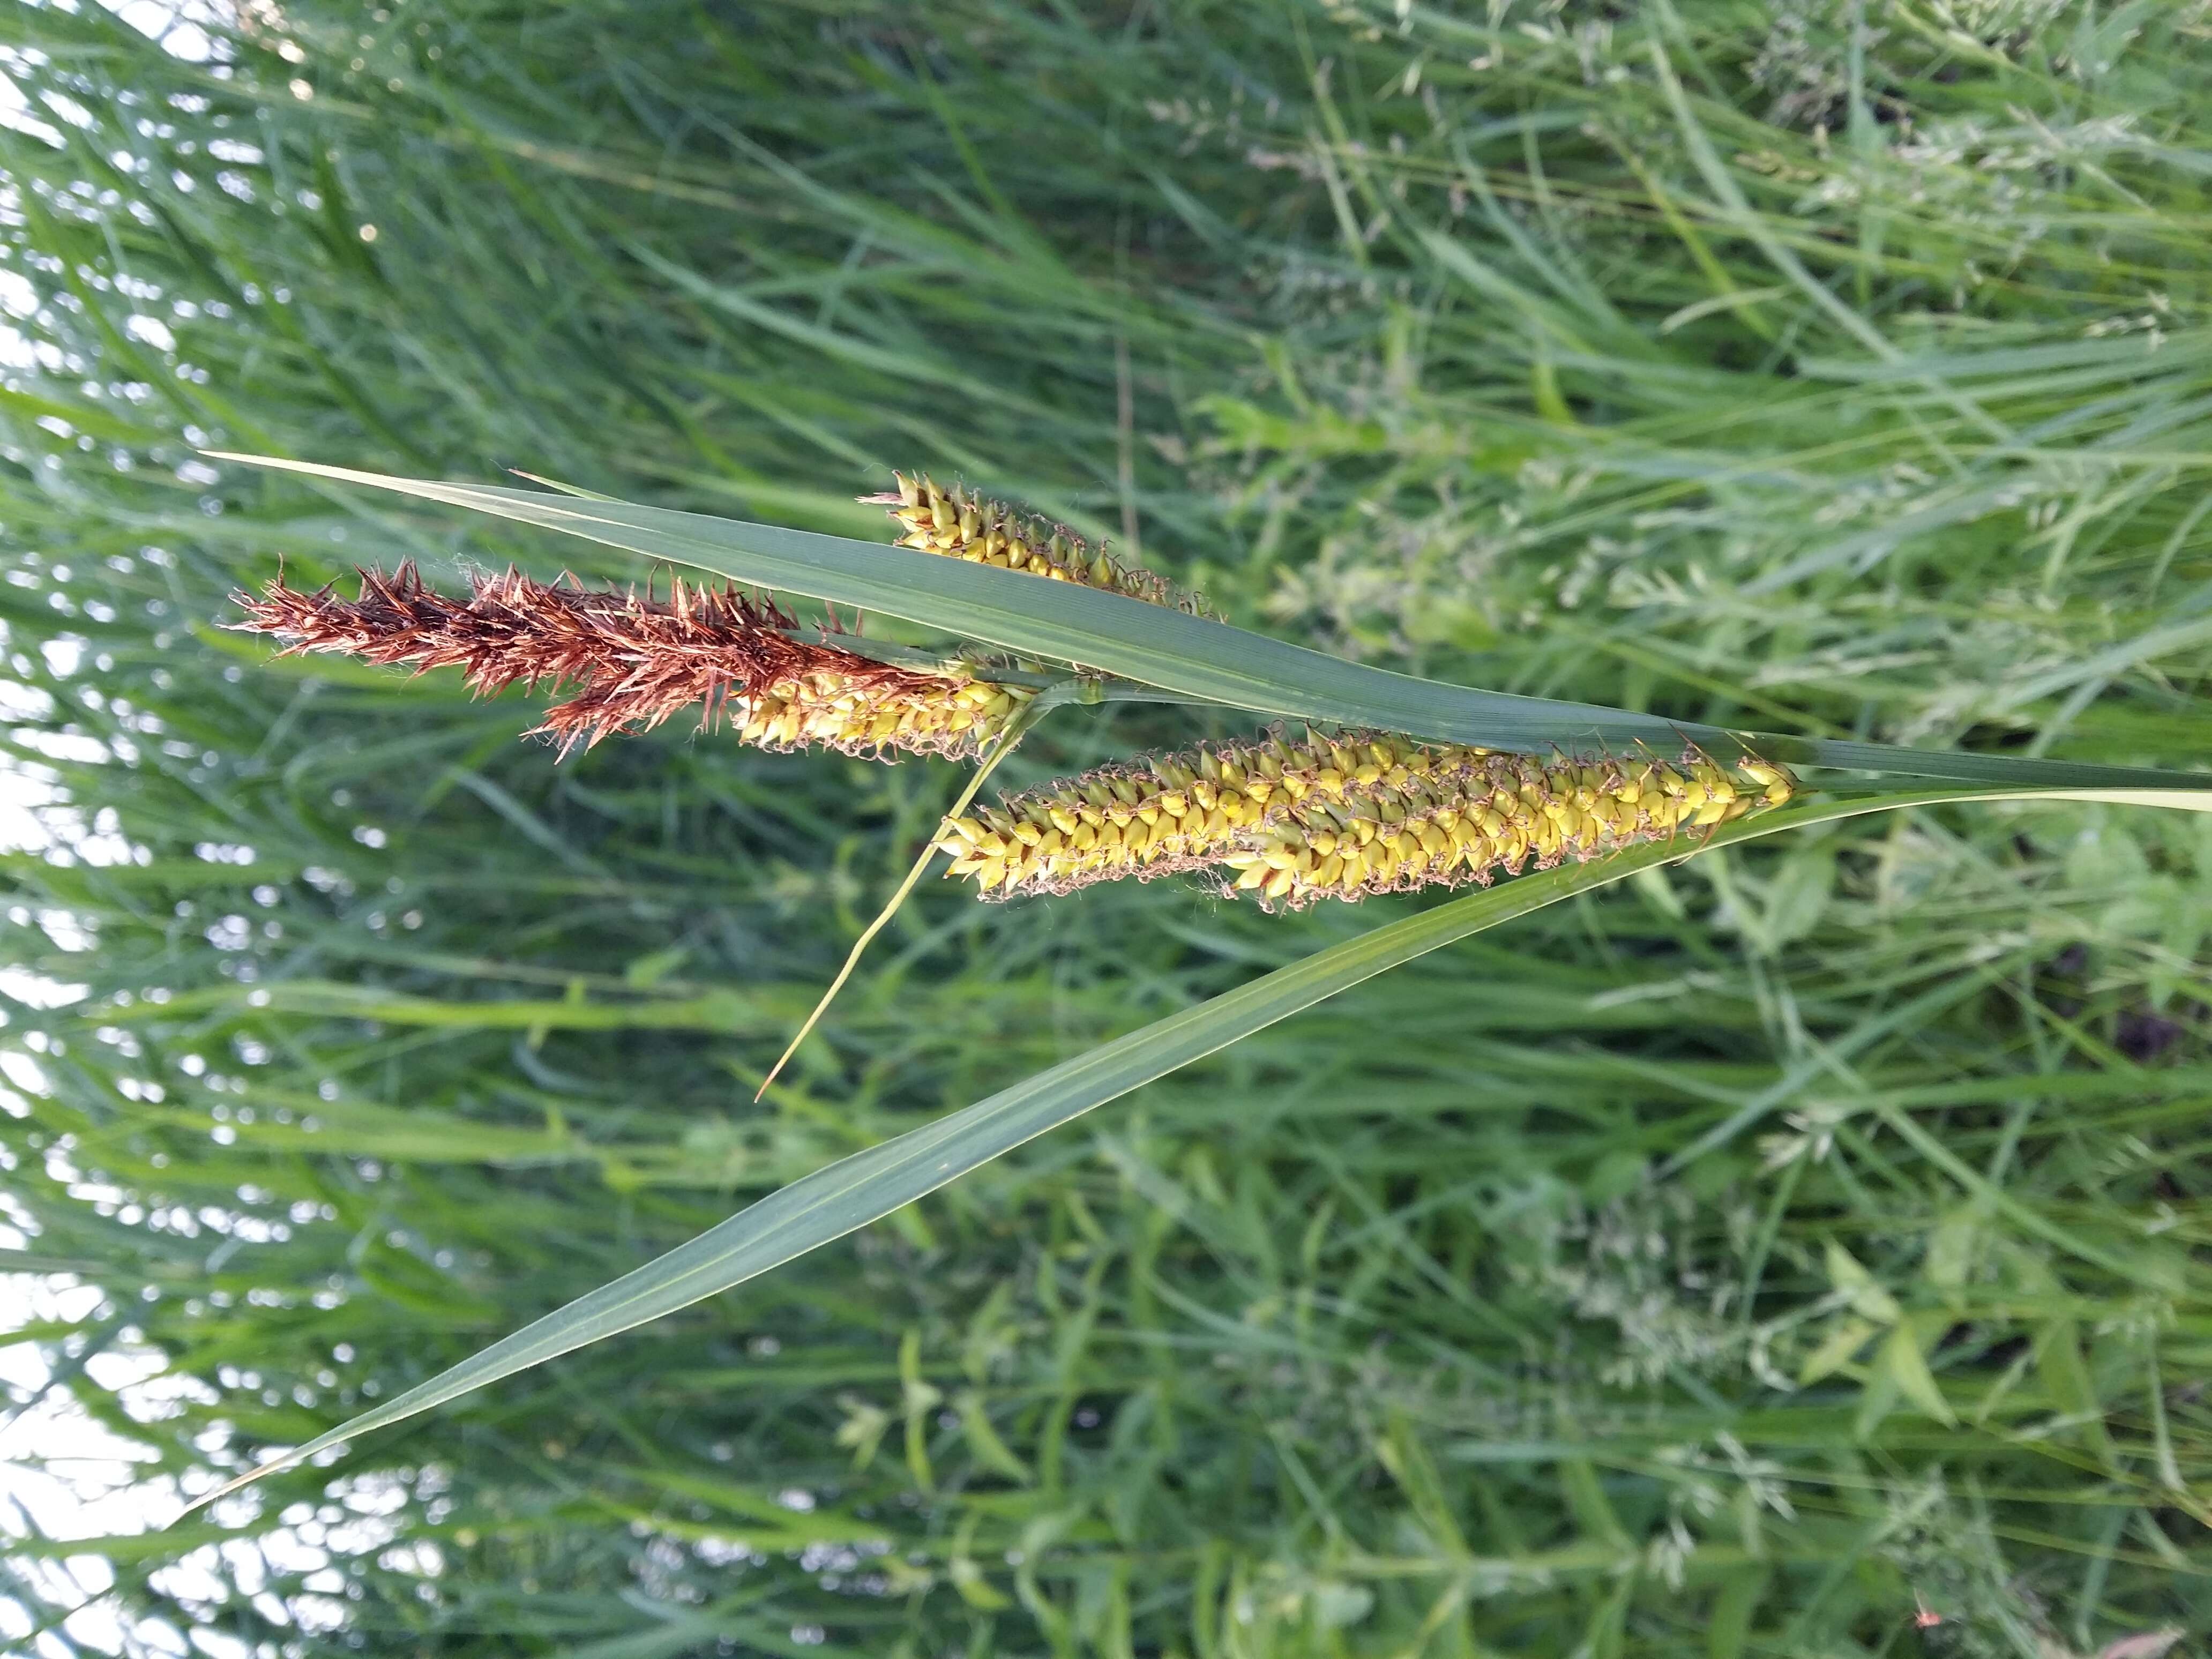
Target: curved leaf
x,y
854,1191
1191,655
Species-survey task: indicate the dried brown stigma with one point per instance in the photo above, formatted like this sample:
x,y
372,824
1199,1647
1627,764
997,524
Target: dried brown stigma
x,y
633,661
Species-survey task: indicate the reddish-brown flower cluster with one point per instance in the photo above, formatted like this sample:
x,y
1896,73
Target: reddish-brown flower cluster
x,y
634,660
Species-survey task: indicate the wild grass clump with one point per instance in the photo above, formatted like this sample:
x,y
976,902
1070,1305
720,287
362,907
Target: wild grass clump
x,y
1767,1252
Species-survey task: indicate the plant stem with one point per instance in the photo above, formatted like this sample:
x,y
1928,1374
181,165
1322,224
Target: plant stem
x,y
1016,729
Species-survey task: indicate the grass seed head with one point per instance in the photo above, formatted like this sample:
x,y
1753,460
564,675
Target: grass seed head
x,y
1291,821
959,524
1173,813
633,661
1466,820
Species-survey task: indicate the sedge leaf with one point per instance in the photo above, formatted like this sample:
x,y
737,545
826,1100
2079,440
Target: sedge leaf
x,y
1193,656
848,1195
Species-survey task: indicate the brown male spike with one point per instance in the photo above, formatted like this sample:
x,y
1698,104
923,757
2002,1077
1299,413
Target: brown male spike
x,y
634,661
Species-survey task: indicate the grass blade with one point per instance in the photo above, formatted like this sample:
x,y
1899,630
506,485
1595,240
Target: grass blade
x,y
848,1195
928,855
1191,655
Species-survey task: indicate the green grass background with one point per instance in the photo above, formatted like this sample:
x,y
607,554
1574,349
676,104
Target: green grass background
x,y
1728,1264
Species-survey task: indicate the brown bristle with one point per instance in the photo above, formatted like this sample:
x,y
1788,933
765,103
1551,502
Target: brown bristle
x,y
634,661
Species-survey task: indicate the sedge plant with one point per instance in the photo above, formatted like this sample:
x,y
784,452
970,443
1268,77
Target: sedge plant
x,y
1339,815
1795,1239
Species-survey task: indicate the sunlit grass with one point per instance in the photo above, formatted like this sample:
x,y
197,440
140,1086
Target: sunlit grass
x,y
1473,1312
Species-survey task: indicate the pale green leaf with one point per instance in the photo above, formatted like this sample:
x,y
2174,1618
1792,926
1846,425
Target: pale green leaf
x,y
1836,1350
850,1194
1907,1367
1191,656
1866,1293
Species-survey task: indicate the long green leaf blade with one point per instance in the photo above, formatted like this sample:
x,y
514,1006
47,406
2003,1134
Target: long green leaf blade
x,y
1158,647
848,1195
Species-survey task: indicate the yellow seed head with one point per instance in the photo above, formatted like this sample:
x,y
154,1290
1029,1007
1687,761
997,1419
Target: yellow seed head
x,y
825,707
1422,815
958,524
1484,813
1153,819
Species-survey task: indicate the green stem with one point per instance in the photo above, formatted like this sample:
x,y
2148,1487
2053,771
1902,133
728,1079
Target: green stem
x,y
1016,729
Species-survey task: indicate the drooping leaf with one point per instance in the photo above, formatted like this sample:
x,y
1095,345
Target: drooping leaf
x,y
1193,656
848,1195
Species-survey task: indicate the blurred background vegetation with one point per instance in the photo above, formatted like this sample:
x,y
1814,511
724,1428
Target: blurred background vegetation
x,y
1748,1260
